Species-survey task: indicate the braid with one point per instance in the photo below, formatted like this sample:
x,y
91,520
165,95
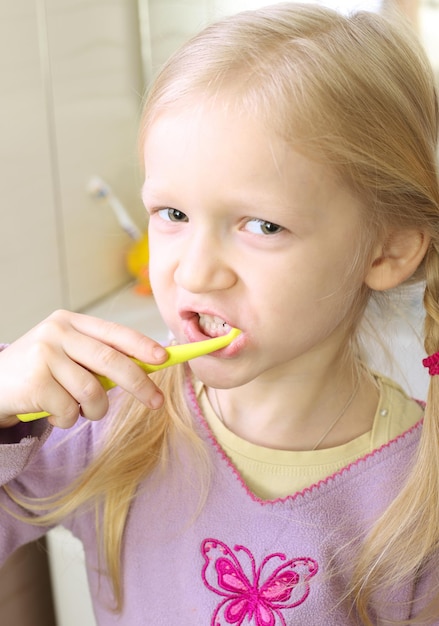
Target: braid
x,y
431,299
416,508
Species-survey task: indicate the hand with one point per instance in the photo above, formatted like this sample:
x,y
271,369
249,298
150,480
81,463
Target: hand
x,y
50,368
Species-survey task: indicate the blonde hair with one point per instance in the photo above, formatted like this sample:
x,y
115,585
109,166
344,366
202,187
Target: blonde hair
x,y
356,92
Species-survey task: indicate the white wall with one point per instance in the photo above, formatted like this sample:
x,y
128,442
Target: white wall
x,y
168,23
30,259
70,93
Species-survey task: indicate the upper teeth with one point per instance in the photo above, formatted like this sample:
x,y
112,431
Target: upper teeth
x,y
213,324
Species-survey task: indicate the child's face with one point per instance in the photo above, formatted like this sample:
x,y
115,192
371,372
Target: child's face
x,y
245,230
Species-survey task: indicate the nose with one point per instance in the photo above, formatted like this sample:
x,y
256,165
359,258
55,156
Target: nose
x,y
204,266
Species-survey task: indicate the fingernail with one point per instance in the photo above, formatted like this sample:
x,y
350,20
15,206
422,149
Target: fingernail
x,y
156,401
159,353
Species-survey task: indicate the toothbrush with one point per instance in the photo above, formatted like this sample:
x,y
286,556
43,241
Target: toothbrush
x,y
176,354
98,188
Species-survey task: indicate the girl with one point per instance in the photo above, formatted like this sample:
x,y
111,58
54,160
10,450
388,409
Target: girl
x,y
290,176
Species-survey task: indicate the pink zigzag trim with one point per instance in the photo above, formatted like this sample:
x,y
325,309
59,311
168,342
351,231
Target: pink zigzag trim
x,y
307,490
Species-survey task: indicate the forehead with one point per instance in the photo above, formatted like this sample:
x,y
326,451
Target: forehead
x,y
209,155
217,136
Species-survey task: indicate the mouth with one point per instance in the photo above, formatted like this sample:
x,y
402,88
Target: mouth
x,y
212,325
197,326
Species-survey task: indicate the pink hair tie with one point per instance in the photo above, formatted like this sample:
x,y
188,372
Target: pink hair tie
x,y
432,363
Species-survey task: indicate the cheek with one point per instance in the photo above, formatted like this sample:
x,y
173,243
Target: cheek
x,y
159,260
320,290
158,279
153,267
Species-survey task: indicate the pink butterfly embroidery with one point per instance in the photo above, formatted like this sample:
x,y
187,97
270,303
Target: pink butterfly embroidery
x,y
258,598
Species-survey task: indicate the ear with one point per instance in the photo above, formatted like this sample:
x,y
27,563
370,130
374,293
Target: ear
x,y
395,260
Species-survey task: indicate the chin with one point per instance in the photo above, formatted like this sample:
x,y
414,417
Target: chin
x,y
224,376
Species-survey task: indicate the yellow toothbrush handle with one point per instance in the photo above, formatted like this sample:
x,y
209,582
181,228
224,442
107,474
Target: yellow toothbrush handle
x,y
176,354
31,417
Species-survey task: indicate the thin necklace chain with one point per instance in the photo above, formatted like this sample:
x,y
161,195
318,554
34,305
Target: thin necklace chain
x,y
327,431
338,418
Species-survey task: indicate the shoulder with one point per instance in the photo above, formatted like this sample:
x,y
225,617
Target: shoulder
x,y
397,412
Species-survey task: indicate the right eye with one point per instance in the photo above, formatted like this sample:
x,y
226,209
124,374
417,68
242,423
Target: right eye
x,y
172,215
262,227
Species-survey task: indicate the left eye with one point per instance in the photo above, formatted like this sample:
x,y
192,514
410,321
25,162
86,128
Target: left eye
x,y
172,215
263,227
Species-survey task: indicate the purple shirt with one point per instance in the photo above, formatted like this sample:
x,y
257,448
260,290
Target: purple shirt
x,y
241,560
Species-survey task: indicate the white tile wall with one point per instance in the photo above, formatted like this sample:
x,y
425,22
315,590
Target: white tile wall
x,y
94,53
29,249
70,95
171,23
136,311
429,29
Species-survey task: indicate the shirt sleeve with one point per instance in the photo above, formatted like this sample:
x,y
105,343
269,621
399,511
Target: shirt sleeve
x,y
39,461
41,464
14,459
18,446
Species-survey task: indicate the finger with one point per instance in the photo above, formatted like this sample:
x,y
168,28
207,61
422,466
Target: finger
x,y
123,339
105,360
7,422
83,387
27,384
88,392
58,385
63,408
56,349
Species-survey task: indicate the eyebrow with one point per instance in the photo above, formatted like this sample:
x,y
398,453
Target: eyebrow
x,y
147,191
